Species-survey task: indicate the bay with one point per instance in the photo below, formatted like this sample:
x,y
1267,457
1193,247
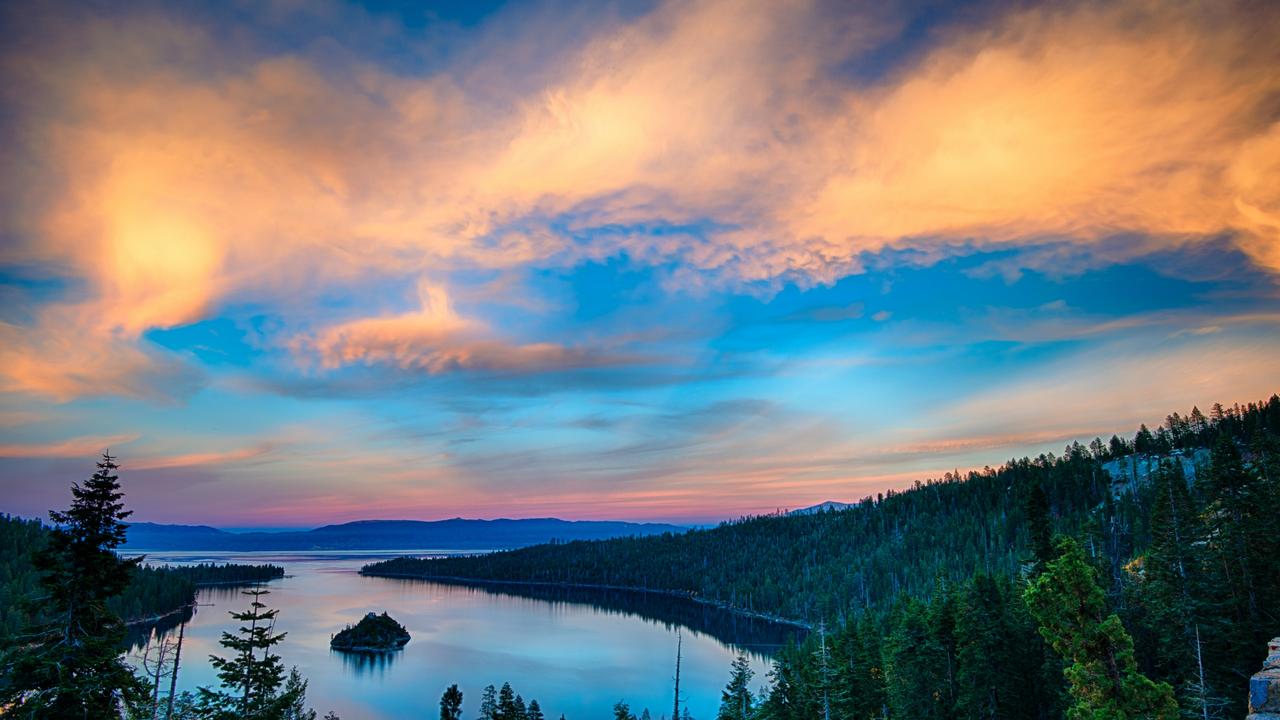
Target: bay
x,y
577,652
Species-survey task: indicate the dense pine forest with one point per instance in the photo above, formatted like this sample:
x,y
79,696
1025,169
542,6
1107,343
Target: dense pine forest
x,y
925,602
151,592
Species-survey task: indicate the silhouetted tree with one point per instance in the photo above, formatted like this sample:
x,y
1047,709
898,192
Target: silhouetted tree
x,y
254,686
451,703
736,700
71,665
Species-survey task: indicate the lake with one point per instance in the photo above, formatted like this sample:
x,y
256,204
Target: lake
x,y
577,652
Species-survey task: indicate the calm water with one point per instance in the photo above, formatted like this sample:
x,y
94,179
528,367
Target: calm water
x,y
577,653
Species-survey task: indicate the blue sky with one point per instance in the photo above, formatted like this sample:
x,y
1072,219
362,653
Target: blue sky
x,y
668,260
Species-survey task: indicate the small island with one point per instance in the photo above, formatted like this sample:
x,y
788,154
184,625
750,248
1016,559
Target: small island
x,y
373,634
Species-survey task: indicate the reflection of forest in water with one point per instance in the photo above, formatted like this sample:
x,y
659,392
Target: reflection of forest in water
x,y
225,596
754,635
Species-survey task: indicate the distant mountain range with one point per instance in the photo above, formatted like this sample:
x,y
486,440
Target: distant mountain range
x,y
455,534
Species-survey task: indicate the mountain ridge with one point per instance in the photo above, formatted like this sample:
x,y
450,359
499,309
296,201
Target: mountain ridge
x,y
453,533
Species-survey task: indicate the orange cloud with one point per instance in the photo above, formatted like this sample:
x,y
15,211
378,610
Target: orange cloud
x,y
80,447
173,176
1142,117
68,356
436,339
193,459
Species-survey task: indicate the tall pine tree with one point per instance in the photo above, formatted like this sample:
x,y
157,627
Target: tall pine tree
x,y
71,666
736,700
1105,683
253,678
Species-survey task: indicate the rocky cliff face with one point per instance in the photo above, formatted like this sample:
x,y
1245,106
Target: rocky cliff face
x,y
1264,687
1133,470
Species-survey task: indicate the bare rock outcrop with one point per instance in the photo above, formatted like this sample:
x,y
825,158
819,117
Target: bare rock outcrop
x,y
1264,687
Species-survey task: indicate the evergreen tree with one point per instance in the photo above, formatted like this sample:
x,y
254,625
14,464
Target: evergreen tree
x,y
622,711
451,704
70,666
790,697
1242,503
736,700
489,703
914,665
1172,593
1040,526
535,710
943,612
1105,683
253,687
507,709
869,680
293,699
993,676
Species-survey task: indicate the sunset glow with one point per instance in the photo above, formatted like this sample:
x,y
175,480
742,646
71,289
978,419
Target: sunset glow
x,y
298,263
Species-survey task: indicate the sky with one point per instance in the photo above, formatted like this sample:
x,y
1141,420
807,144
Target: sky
x,y
307,262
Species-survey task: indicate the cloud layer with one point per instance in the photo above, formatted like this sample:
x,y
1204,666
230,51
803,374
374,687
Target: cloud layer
x,y
178,179
567,231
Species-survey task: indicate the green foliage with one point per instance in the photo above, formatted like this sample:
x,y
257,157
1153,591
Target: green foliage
x,y
253,680
502,704
736,700
451,703
622,711
372,633
925,586
1105,683
152,591
489,703
822,566
69,665
914,664
1040,526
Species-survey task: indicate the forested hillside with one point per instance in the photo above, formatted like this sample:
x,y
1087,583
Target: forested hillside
x,y
915,582
152,591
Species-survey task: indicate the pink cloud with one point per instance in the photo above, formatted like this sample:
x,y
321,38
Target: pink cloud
x,y
80,447
435,339
173,179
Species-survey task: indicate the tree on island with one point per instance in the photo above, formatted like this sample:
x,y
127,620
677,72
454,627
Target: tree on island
x,y
254,687
71,665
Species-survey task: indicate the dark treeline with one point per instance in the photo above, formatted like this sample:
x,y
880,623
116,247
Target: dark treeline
x,y
151,591
925,592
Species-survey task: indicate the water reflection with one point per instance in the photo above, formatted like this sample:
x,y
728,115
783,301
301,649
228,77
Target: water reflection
x,y
577,652
363,663
227,596
139,635
755,635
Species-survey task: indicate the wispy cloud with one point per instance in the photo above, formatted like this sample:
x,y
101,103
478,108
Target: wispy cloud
x,y
435,339
80,447
182,180
213,459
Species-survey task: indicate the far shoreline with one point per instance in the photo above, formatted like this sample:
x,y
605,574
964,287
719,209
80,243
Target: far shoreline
x,y
741,612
